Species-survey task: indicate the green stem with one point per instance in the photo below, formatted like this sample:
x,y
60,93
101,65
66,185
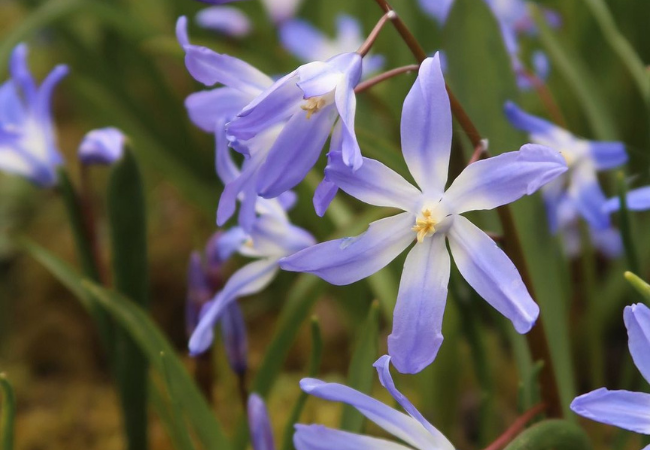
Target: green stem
x,y
626,226
552,435
8,414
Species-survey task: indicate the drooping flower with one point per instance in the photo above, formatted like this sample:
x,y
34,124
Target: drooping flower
x,y
272,237
225,19
431,217
584,158
624,409
636,200
281,10
306,103
102,146
259,424
411,428
308,43
28,145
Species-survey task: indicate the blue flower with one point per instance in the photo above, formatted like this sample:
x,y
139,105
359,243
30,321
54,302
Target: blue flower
x,y
432,216
624,409
271,238
102,146
308,43
224,19
259,424
584,159
413,429
27,137
636,200
305,104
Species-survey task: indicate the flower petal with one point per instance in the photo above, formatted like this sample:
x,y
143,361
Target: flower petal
x,y
503,179
426,128
323,196
637,200
318,437
346,104
491,273
295,152
637,322
608,155
205,108
233,333
304,41
382,365
438,9
623,409
224,19
589,199
417,320
102,146
20,73
248,280
396,423
607,241
344,261
373,183
527,122
259,424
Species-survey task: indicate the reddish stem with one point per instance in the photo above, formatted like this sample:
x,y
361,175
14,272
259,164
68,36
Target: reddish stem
x,y
516,428
372,37
385,76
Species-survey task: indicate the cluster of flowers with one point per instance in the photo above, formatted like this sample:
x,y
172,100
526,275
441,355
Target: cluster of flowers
x,y
280,128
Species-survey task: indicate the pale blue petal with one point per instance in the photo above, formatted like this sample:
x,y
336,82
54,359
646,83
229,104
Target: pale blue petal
x,y
588,197
225,166
396,423
259,424
225,19
206,108
491,273
318,437
438,9
541,64
374,183
288,200
233,334
554,195
102,146
303,40
323,196
607,241
344,261
232,191
417,320
346,104
276,236
426,128
382,365
318,78
623,409
497,181
248,280
527,122
637,322
373,64
20,73
281,10
224,245
636,200
295,152
12,110
607,155
349,35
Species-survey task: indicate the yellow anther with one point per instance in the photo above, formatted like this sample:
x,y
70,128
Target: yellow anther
x,y
424,225
313,105
568,157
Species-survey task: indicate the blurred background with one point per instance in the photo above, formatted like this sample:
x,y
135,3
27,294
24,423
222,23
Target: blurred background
x,y
127,71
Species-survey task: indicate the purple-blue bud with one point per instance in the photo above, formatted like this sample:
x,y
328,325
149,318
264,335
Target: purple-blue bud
x,y
259,424
198,292
102,146
233,332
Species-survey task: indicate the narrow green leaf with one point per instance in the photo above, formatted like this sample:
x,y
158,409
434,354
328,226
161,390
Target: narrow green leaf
x,y
626,226
184,442
551,435
8,414
361,373
577,76
314,365
151,342
176,431
127,218
641,286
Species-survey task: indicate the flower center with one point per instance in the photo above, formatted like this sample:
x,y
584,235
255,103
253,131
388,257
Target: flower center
x,y
568,157
424,225
315,104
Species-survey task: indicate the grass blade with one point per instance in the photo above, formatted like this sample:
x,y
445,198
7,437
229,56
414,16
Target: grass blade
x,y
8,414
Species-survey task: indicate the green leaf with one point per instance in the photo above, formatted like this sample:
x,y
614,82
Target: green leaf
x,y
626,226
8,414
181,435
578,77
314,365
361,373
151,341
127,218
641,286
551,435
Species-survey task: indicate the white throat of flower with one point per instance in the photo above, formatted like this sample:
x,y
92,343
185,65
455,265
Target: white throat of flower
x,y
424,225
315,104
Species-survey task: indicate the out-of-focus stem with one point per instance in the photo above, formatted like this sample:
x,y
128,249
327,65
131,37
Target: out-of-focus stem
x,y
385,76
546,97
626,227
516,427
90,223
511,244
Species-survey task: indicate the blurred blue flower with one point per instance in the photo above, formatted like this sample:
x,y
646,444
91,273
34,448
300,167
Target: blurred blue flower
x,y
259,424
636,200
432,216
281,10
584,159
271,238
102,146
413,429
624,409
225,19
27,137
308,43
305,103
